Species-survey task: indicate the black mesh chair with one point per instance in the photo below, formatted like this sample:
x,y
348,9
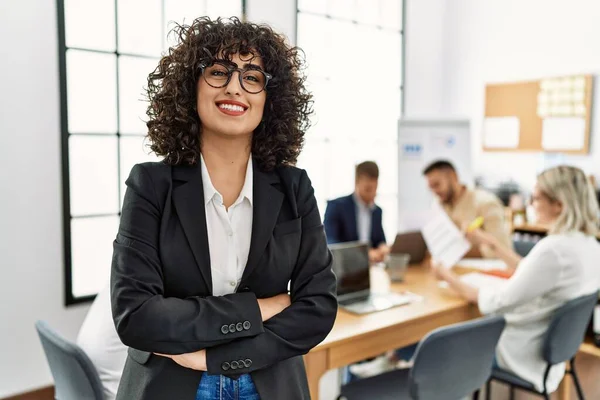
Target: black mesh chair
x,y
75,377
450,363
561,343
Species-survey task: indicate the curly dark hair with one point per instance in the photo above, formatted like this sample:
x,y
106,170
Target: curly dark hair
x,y
174,127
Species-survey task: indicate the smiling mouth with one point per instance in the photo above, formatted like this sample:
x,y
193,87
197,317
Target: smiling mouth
x,y
231,109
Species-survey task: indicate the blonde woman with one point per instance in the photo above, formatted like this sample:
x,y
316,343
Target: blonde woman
x,y
562,266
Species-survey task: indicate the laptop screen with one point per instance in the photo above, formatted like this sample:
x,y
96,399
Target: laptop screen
x,y
351,266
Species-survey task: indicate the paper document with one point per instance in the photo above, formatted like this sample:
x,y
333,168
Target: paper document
x,y
501,132
482,280
563,133
482,264
444,240
478,280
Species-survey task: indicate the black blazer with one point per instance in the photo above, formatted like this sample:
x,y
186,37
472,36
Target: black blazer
x,y
341,225
161,285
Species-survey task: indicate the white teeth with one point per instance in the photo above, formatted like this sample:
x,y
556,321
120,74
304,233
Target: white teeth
x,y
231,107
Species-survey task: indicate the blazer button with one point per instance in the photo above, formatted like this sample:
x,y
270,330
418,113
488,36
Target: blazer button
x,y
241,363
232,328
234,365
225,366
246,325
245,289
239,327
247,363
224,329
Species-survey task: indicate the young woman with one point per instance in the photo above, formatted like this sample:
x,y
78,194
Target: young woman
x,y
211,237
561,267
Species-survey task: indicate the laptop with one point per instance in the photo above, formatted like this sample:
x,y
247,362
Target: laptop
x,y
411,243
351,266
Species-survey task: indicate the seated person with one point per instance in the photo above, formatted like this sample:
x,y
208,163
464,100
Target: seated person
x,y
99,340
356,216
463,205
561,267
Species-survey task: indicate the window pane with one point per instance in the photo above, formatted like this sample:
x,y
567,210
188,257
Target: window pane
x,y
133,75
90,24
140,32
133,150
224,8
341,172
93,175
345,40
315,160
391,13
341,9
314,6
390,44
181,12
91,253
367,11
91,92
314,39
389,206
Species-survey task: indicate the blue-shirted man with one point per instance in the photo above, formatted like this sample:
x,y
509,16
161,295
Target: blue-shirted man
x,y
356,216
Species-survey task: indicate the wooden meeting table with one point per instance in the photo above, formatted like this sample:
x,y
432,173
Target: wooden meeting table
x,y
358,337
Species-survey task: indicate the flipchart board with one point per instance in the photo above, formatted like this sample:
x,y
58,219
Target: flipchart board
x,y
420,142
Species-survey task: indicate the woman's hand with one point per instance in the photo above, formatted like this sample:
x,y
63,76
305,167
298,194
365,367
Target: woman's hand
x,y
468,292
272,306
195,360
440,272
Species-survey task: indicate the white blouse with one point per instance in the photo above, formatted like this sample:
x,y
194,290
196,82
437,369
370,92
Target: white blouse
x,y
559,268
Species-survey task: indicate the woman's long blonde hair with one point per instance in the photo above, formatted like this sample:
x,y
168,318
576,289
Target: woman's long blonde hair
x,y
569,186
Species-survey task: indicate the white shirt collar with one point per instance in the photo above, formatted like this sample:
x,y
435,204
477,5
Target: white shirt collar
x,y
362,204
210,191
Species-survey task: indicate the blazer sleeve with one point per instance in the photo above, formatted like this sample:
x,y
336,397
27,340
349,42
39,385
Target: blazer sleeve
x,y
310,317
332,222
144,317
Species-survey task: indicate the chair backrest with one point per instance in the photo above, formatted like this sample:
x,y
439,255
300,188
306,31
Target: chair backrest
x,y
523,247
75,377
567,329
454,361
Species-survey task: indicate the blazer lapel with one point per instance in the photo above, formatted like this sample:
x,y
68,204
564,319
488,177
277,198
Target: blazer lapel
x,y
267,202
188,199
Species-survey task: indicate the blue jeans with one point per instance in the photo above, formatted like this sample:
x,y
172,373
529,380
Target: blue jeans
x,y
220,387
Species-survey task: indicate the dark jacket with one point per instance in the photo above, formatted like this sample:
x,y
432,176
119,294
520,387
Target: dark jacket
x,y
341,225
161,285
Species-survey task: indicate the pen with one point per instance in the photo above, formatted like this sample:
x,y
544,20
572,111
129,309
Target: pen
x,y
476,224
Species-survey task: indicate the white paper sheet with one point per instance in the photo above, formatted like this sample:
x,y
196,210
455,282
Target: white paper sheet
x,y
444,240
482,264
563,133
501,132
478,280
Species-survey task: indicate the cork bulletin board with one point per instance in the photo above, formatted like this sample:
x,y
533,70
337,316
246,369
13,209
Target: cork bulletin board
x,y
550,115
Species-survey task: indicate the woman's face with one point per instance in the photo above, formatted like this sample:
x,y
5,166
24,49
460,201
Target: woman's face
x,y
546,209
230,110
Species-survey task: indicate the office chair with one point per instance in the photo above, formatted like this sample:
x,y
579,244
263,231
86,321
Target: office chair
x,y
75,377
450,363
523,247
561,343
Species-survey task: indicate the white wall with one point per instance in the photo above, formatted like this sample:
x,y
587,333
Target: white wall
x,y
506,40
30,203
424,53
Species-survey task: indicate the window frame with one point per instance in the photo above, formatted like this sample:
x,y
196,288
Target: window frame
x,y
67,218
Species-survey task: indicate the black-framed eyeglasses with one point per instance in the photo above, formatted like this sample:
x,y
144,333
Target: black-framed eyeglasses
x,y
218,74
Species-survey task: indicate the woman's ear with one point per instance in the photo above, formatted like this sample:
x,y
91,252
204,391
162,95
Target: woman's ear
x,y
557,207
